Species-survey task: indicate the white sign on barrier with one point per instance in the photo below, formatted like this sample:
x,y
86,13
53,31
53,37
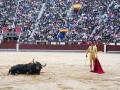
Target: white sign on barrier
x,y
118,43
53,43
112,43
62,43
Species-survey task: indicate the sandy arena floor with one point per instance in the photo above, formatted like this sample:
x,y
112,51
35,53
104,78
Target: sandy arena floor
x,y
64,71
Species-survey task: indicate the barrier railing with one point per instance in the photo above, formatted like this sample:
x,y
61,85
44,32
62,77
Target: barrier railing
x,y
59,46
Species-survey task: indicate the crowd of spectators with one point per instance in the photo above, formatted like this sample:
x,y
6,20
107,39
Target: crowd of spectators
x,y
41,20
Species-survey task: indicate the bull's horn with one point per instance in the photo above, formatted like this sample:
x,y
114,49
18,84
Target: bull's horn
x,y
44,65
33,60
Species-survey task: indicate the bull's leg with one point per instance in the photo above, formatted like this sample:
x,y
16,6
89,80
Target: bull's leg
x,y
38,71
17,72
9,72
13,72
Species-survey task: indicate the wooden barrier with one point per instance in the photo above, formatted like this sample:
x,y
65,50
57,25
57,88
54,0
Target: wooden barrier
x,y
8,45
56,46
61,46
113,48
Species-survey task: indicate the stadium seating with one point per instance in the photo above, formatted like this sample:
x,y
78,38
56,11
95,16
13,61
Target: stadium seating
x,y
41,20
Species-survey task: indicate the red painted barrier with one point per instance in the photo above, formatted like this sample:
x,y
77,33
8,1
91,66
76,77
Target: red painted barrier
x,y
59,47
113,47
8,45
65,46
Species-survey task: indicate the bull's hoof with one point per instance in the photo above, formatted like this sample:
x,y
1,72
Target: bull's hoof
x,y
13,74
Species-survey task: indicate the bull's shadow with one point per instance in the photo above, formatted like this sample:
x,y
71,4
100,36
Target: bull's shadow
x,y
33,68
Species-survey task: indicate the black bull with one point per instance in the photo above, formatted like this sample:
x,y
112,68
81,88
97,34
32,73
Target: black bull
x,y
30,68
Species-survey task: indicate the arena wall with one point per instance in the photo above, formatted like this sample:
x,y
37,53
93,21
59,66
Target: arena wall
x,y
56,46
